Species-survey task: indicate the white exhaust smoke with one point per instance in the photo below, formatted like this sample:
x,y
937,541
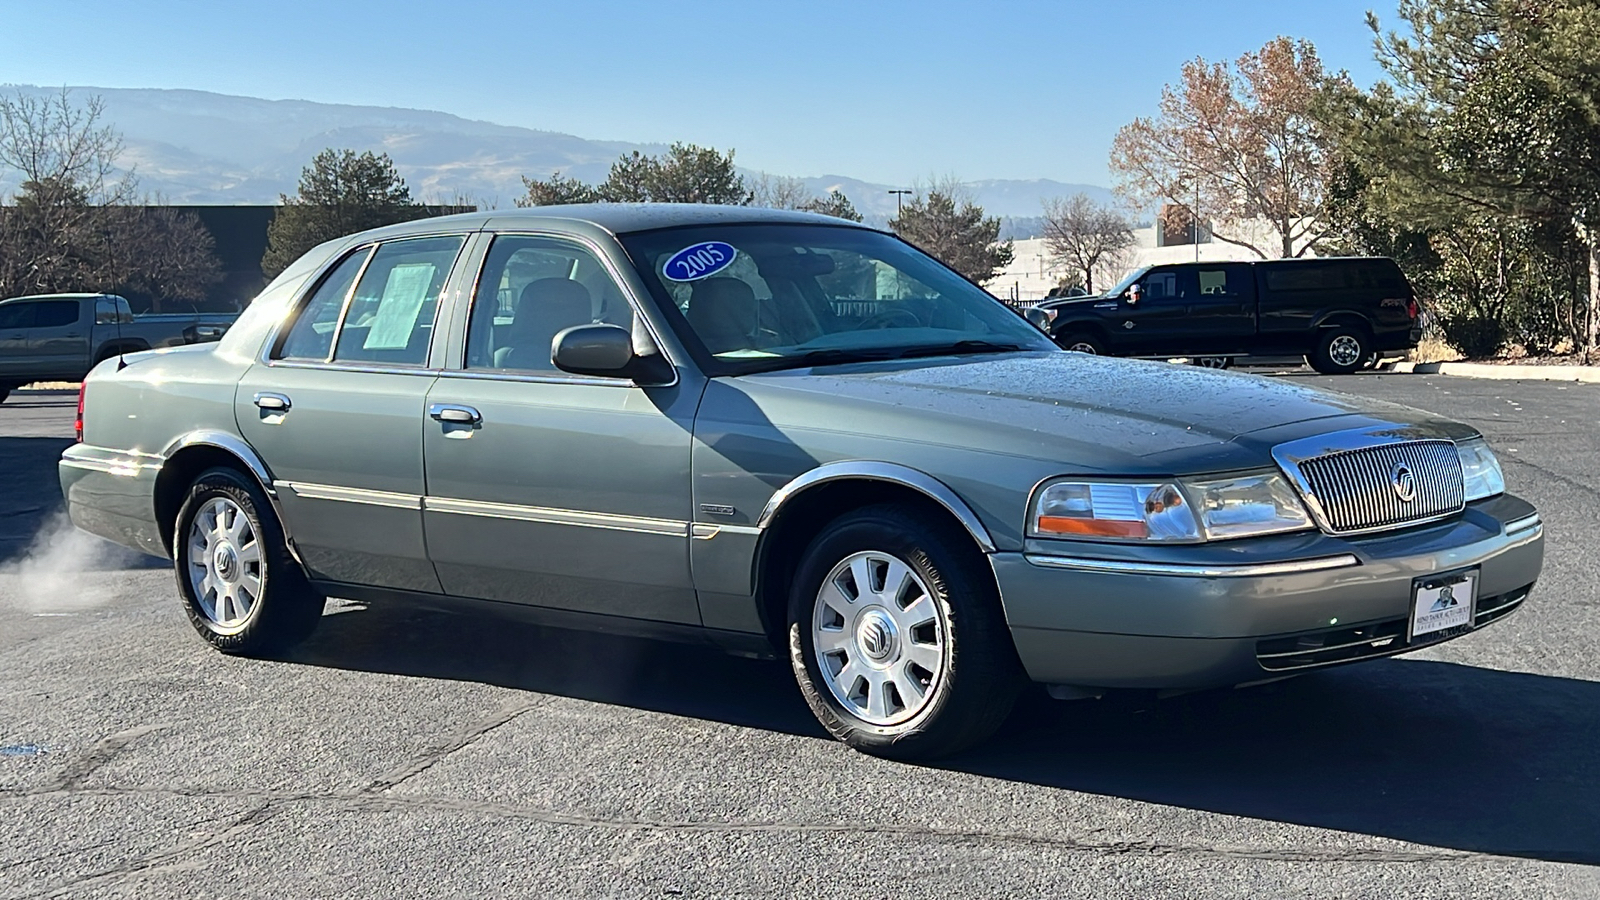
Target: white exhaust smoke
x,y
57,573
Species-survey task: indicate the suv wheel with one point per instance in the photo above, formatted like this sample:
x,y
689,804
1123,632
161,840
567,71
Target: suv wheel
x,y
896,635
242,590
1340,350
1080,343
1213,362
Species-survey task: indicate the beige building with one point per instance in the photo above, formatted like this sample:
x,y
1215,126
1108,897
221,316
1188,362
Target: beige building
x,y
1032,272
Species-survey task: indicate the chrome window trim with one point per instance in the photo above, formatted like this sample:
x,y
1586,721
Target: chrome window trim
x,y
482,375
1194,570
295,306
351,495
352,367
628,295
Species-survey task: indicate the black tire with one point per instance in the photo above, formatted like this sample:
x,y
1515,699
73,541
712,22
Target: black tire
x,y
5,391
1340,350
981,674
1212,362
287,609
1081,342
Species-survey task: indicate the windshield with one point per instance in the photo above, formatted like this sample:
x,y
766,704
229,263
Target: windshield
x,y
1122,285
756,297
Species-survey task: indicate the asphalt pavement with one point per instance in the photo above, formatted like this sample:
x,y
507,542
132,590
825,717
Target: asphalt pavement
x,y
402,753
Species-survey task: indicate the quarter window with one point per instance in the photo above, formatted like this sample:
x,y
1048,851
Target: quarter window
x,y
531,289
311,338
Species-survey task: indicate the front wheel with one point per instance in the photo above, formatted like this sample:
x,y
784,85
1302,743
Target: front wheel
x,y
1340,350
896,636
1213,362
242,590
1080,343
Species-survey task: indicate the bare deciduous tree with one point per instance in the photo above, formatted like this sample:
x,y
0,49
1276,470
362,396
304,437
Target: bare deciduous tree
x,y
1088,237
71,223
1235,144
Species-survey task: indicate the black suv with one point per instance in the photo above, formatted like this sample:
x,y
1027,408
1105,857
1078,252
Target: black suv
x,y
1337,312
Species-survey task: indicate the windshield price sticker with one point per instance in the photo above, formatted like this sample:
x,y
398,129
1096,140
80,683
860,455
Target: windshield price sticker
x,y
699,261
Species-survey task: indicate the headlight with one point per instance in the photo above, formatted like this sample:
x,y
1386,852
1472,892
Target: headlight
x,y
1480,469
1245,505
1236,506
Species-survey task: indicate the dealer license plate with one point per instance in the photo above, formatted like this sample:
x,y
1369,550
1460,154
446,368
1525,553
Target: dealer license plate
x,y
1444,603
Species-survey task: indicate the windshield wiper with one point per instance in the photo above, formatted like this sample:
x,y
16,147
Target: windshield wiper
x,y
830,357
960,348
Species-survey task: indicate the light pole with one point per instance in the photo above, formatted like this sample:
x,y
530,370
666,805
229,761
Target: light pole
x,y
897,196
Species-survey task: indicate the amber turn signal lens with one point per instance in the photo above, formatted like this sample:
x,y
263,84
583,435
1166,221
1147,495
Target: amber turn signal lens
x,y
1092,527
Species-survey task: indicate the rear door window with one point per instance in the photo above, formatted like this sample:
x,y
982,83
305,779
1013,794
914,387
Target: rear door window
x,y
1308,277
56,314
389,318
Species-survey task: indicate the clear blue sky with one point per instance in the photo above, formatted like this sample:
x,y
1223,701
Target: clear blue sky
x,y
885,90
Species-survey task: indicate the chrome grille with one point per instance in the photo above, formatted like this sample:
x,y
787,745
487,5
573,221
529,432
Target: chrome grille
x,y
1356,489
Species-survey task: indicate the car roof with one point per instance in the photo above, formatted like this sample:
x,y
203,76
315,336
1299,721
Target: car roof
x,y
78,296
616,218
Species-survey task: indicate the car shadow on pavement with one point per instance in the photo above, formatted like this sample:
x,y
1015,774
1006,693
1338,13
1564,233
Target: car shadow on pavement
x,y
1429,752
30,491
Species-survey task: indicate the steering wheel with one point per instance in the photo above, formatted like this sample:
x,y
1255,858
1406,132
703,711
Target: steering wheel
x,y
892,318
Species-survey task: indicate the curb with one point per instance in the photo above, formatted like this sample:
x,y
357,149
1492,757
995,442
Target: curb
x,y
1583,374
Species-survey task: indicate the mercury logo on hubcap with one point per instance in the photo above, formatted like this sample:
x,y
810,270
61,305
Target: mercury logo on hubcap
x,y
876,636
226,562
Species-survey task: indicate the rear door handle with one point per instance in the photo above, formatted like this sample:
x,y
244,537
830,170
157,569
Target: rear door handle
x,y
455,415
273,401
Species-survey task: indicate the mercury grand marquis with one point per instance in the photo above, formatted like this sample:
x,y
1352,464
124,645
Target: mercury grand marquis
x,y
777,432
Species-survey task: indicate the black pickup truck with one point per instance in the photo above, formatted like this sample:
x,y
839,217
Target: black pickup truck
x,y
1336,312
60,337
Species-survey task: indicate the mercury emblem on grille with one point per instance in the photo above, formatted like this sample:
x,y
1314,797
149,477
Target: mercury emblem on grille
x,y
1404,484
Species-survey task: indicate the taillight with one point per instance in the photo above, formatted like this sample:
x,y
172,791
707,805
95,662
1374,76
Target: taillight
x,y
1413,310
79,424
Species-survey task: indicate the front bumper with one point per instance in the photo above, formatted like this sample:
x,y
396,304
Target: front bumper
x,y
1236,612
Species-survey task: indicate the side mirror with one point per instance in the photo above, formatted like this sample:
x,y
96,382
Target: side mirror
x,y
605,351
1133,294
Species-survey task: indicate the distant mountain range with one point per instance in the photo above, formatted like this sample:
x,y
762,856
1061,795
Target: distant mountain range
x,y
196,147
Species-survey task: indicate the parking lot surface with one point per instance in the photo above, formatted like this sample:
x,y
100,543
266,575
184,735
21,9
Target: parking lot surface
x,y
416,754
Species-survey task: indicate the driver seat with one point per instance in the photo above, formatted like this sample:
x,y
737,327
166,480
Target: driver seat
x,y
723,313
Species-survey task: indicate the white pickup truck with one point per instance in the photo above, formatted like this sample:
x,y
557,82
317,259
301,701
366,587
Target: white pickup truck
x,y
60,337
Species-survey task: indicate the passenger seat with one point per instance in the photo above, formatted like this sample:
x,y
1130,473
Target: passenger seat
x,y
546,308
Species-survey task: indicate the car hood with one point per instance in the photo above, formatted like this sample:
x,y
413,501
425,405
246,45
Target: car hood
x,y
1095,412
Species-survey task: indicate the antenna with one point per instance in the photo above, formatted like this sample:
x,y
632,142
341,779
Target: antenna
x,y
116,305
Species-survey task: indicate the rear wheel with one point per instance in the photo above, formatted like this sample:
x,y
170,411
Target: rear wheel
x,y
242,590
1340,350
896,636
1213,362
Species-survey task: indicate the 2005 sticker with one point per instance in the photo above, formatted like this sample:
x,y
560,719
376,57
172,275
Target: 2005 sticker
x,y
699,261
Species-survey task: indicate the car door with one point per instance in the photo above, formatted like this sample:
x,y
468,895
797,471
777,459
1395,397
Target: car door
x,y
58,340
1158,324
15,320
336,409
549,489
1221,316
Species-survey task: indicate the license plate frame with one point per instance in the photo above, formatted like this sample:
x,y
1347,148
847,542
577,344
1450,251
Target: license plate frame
x,y
1430,621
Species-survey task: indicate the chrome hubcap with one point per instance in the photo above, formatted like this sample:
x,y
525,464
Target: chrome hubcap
x,y
879,638
1211,362
1082,347
224,564
1345,350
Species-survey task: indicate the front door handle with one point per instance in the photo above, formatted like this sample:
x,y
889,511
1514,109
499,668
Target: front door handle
x,y
454,414
270,400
